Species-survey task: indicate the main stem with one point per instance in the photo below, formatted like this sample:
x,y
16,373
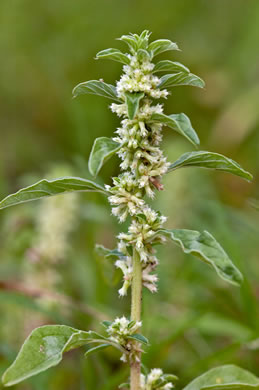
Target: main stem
x,y
136,298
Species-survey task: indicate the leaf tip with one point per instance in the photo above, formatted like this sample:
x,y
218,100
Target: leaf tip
x,y
74,92
249,177
6,381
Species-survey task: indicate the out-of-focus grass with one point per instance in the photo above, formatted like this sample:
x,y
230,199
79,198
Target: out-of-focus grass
x,y
195,321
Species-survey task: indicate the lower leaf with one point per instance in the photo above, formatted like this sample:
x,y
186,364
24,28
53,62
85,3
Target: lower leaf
x,y
43,349
225,378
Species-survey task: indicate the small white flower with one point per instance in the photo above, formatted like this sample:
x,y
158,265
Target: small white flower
x,y
154,375
168,386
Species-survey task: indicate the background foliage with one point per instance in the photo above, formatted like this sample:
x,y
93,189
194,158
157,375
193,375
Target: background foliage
x,y
196,321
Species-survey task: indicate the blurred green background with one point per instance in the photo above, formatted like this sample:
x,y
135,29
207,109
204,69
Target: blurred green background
x,y
49,270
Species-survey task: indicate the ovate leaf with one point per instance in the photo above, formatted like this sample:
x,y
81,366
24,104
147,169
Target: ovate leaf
x,y
210,160
115,55
180,123
161,45
103,148
43,349
173,80
96,349
45,188
96,87
225,378
132,102
170,66
139,337
206,248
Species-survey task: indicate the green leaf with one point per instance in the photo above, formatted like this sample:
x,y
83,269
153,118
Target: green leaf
x,y
102,251
225,377
103,148
132,102
210,160
131,41
113,54
170,66
180,123
161,45
106,323
96,349
206,248
140,338
96,87
171,377
143,55
127,385
173,80
142,39
43,349
96,336
105,340
45,188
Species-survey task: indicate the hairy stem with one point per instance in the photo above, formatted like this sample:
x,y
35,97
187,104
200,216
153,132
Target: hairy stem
x,y
136,297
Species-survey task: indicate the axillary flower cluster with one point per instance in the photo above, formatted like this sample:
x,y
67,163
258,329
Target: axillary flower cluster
x,y
123,332
143,163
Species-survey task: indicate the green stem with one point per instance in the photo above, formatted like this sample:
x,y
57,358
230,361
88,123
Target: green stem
x,y
136,298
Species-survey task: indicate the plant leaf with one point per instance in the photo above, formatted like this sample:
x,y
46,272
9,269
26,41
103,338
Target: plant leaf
x,y
43,349
130,40
106,340
132,102
161,45
142,39
171,377
96,87
96,349
113,54
180,123
210,160
143,55
122,385
140,338
95,335
103,148
181,78
206,248
225,377
113,253
106,323
45,188
170,66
